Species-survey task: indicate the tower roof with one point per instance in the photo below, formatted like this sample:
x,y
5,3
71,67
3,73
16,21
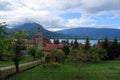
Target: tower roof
x,y
38,29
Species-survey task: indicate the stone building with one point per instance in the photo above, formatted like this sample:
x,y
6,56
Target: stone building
x,y
38,39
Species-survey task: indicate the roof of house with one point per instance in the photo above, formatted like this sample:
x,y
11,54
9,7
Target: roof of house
x,y
46,41
50,47
101,44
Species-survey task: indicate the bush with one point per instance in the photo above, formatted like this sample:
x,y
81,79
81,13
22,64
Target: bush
x,y
51,65
96,54
57,56
39,54
77,56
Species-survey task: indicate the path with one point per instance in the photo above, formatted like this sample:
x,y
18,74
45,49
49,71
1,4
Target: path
x,y
13,66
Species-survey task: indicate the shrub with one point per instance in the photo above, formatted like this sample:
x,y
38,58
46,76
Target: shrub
x,y
57,56
77,56
39,53
95,54
51,65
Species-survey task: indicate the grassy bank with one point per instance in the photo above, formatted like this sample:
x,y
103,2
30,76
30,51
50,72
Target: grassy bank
x,y
104,70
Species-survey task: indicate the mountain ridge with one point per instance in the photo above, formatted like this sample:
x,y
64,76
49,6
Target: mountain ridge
x,y
80,32
92,33
31,29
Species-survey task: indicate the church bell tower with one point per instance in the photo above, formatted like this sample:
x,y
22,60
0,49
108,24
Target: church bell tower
x,y
38,38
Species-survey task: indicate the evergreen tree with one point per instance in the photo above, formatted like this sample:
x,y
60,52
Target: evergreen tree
x,y
56,41
66,50
87,44
113,50
67,41
105,43
98,41
76,45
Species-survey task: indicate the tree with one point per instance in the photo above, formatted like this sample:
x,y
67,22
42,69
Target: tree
x,y
66,50
57,56
39,54
87,44
76,45
67,41
98,41
71,43
56,41
77,56
113,50
105,43
17,46
32,51
3,40
96,54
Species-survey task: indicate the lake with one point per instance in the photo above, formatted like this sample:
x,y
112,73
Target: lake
x,y
92,42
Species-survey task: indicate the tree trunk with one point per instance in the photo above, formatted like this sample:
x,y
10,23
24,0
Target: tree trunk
x,y
34,57
17,66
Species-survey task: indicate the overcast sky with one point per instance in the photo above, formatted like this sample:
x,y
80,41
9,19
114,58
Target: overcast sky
x,y
62,14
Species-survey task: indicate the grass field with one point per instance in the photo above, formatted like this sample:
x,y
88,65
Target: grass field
x,y
104,70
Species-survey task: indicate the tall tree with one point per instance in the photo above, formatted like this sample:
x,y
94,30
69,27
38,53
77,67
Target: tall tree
x,y
98,41
76,45
105,43
32,51
67,41
66,50
3,40
56,41
87,44
113,50
17,46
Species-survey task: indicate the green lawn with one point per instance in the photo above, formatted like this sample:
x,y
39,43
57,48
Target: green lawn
x,y
7,63
104,70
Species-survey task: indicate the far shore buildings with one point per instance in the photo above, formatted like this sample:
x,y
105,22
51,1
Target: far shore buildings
x,y
43,43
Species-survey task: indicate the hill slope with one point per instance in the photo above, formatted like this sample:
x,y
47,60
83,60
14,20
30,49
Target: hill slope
x,y
31,29
93,33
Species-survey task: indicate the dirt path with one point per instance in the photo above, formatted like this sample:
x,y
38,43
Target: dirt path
x,y
13,66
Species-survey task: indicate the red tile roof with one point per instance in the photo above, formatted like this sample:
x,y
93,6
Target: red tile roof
x,y
51,47
46,41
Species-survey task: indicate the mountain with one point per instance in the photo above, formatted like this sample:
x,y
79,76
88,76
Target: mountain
x,y
92,33
31,29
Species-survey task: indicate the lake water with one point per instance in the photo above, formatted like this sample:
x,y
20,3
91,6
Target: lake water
x,y
92,42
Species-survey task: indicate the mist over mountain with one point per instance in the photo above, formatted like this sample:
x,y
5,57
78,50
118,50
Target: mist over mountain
x,y
31,29
92,33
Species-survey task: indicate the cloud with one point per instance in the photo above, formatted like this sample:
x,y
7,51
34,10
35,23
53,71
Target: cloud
x,y
7,7
47,12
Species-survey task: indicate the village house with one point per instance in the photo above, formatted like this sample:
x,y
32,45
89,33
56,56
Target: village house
x,y
43,43
100,44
